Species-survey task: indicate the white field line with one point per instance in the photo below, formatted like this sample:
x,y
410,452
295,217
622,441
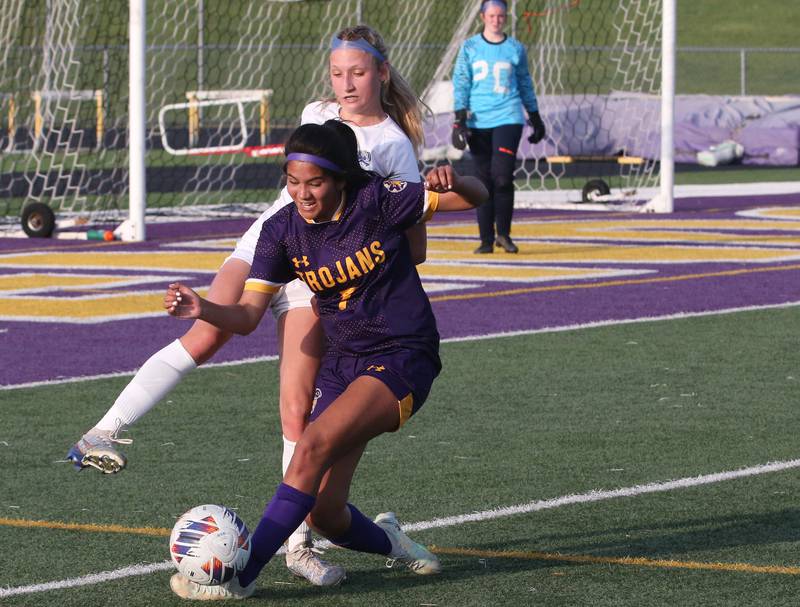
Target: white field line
x,y
485,515
601,495
88,580
556,329
82,378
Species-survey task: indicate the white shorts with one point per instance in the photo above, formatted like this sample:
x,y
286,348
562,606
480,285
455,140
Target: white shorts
x,y
295,294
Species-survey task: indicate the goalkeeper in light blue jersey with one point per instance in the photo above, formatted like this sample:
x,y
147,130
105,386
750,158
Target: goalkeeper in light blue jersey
x,y
491,86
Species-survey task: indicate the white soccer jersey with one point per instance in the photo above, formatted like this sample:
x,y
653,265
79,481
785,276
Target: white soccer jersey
x,y
383,148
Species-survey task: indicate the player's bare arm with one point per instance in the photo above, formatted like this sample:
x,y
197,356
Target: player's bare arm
x,y
456,192
241,318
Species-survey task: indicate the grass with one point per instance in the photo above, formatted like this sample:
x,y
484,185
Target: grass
x,y
760,23
291,68
735,174
567,413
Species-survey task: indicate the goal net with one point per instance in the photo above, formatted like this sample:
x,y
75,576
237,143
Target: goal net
x,y
597,72
225,83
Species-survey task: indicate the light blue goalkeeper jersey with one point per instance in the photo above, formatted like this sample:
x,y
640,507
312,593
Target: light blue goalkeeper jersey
x,y
492,81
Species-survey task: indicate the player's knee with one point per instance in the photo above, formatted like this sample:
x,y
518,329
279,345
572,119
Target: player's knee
x,y
502,182
295,406
202,341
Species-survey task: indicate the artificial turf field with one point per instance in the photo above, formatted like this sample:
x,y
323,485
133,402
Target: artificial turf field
x,y
512,421
634,456
615,423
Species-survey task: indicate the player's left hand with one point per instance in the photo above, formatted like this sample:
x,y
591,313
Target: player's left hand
x,y
441,179
182,302
461,133
539,130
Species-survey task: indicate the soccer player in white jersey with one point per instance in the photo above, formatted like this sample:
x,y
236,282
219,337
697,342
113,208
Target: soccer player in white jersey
x,y
374,99
491,84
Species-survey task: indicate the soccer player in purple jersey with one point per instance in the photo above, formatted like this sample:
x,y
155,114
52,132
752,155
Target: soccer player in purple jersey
x,y
374,98
345,238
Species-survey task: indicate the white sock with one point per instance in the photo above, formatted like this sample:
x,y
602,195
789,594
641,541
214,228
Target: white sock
x,y
301,535
157,376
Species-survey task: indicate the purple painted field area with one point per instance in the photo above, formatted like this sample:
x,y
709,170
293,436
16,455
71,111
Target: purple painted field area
x,y
41,351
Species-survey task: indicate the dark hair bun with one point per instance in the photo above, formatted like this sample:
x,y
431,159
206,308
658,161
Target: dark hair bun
x,y
334,141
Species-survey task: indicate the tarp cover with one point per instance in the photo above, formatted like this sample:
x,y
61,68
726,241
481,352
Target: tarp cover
x,y
767,127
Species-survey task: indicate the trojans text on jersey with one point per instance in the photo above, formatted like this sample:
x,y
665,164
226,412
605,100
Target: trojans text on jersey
x,y
342,270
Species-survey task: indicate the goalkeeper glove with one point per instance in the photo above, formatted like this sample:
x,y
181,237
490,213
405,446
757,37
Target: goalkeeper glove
x,y
537,125
460,130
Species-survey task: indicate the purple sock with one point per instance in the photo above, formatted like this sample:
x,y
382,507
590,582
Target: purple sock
x,y
364,535
283,514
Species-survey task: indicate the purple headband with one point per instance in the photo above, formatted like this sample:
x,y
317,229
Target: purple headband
x,y
498,3
317,160
358,44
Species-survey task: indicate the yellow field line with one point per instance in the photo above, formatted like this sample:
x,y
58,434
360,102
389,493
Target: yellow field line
x,y
614,283
610,560
91,527
506,554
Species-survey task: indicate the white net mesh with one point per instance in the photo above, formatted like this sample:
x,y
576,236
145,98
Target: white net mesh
x,y
64,93
598,72
596,68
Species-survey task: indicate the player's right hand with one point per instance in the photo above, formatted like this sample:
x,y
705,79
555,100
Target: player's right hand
x,y
441,179
460,131
181,302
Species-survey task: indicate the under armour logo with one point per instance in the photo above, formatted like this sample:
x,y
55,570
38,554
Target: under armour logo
x,y
376,368
298,262
317,396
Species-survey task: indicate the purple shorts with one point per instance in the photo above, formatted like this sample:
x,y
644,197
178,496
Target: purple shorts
x,y
409,374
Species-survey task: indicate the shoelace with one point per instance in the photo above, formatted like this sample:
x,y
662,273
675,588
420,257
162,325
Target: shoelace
x,y
104,440
307,554
113,437
100,440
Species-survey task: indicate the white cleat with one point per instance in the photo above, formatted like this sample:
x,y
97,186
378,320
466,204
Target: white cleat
x,y
304,562
192,591
96,449
405,550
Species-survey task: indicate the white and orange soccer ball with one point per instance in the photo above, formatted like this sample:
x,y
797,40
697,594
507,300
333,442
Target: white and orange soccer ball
x,y
210,544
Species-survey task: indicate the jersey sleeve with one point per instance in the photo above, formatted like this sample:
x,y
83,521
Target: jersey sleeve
x,y
396,160
317,112
404,204
524,82
270,269
246,245
462,79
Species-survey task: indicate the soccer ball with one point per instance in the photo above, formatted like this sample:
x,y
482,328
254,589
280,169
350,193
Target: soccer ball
x,y
210,544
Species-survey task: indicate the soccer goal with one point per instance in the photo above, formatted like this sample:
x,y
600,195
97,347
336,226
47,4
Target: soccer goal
x,y
195,126
604,77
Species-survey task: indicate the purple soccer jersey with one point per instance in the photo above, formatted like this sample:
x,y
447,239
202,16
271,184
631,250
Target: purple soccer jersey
x,y
358,265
